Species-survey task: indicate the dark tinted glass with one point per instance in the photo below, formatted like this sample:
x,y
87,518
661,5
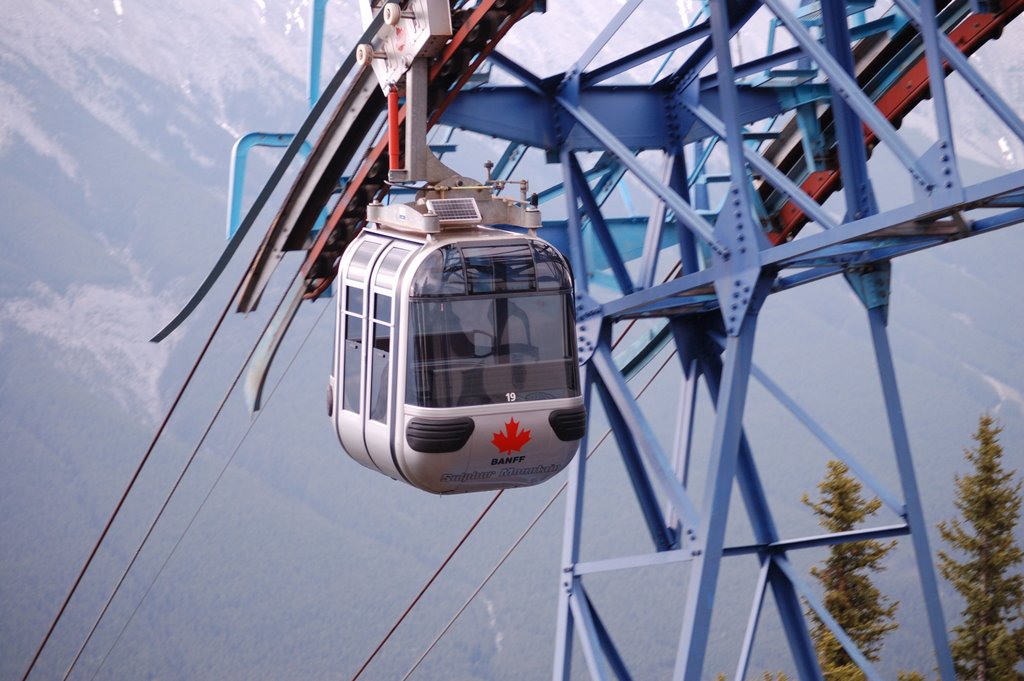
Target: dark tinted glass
x,y
440,274
499,268
552,273
350,379
491,268
353,329
490,349
379,372
354,299
382,307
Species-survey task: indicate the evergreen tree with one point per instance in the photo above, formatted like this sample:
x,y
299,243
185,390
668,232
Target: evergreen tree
x,y
989,643
910,676
864,613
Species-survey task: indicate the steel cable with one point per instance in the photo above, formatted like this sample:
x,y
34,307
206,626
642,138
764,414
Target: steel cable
x,y
209,492
131,483
167,499
469,531
426,586
501,561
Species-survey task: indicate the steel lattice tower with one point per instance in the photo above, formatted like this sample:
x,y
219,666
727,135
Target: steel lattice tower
x,y
748,150
818,98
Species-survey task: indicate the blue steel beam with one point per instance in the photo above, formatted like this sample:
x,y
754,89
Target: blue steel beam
x,y
609,179
509,161
684,427
627,8
577,254
753,619
657,527
689,260
593,652
615,661
635,561
770,172
791,612
819,541
635,114
846,87
600,228
609,141
656,222
688,73
956,58
239,160
826,618
646,54
786,599
738,268
740,240
756,550
316,48
848,130
800,250
529,80
948,17
718,490
766,533
908,480
575,476
945,155
876,487
657,465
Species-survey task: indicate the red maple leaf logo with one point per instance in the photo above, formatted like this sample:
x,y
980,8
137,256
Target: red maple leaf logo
x,y
511,440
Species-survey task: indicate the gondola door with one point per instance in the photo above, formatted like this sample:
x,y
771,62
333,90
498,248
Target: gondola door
x,y
350,369
380,390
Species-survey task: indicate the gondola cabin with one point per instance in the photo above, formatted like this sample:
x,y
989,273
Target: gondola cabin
x,y
455,364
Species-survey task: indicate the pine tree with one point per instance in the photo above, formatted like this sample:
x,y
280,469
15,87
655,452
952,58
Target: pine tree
x,y
765,676
910,676
864,613
989,643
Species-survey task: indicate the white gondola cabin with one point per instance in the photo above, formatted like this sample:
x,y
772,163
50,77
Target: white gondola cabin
x,y
455,363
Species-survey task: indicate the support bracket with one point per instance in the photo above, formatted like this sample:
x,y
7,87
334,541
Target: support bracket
x,y
589,320
871,284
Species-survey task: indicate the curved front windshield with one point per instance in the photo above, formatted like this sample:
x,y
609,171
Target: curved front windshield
x,y
506,339
483,350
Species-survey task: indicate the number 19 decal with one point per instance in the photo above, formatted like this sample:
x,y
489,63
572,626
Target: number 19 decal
x,y
511,397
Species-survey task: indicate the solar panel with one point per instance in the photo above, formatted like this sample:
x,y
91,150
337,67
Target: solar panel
x,y
454,210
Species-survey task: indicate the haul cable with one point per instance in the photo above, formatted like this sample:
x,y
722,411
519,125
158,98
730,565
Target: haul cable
x,y
426,586
170,494
519,540
131,483
501,561
307,125
206,498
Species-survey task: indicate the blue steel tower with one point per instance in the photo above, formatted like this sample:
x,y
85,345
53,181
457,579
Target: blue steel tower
x,y
749,151
792,123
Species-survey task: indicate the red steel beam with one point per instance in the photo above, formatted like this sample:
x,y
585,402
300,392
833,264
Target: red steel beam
x,y
316,287
895,103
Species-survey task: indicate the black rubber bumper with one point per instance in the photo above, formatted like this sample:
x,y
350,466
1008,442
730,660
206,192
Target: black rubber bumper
x,y
569,424
438,436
